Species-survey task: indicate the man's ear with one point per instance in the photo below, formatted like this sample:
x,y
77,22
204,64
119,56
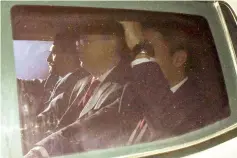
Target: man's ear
x,y
179,58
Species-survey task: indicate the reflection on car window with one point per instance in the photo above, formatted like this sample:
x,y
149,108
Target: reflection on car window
x,y
115,81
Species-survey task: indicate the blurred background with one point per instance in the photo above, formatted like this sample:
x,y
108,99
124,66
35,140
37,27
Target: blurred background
x,y
31,58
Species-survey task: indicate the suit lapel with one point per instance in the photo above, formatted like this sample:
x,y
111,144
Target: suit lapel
x,y
107,94
76,97
119,76
79,90
51,82
94,98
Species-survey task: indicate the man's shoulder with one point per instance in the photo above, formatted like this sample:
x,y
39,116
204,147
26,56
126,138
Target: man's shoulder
x,y
121,74
78,73
81,83
73,77
189,95
190,87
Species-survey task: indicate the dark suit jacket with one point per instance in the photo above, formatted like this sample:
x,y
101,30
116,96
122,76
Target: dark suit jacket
x,y
113,123
106,93
58,101
107,119
50,103
169,114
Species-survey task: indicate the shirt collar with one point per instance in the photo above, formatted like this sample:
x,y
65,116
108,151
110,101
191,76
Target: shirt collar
x,y
177,86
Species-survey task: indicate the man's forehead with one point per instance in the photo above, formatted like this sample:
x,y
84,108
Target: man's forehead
x,y
51,48
54,48
61,49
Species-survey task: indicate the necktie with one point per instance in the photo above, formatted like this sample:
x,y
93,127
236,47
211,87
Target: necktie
x,y
93,85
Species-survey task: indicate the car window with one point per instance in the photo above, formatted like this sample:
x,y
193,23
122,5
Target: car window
x,y
116,78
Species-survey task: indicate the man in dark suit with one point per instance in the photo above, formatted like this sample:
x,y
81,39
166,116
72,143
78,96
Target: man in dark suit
x,y
63,108
96,99
152,106
35,95
62,60
173,104
57,104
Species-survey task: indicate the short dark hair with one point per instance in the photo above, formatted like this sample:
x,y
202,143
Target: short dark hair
x,y
66,41
177,40
105,27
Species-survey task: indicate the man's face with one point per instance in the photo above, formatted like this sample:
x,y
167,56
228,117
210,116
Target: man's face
x,y
162,55
95,51
51,60
58,60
